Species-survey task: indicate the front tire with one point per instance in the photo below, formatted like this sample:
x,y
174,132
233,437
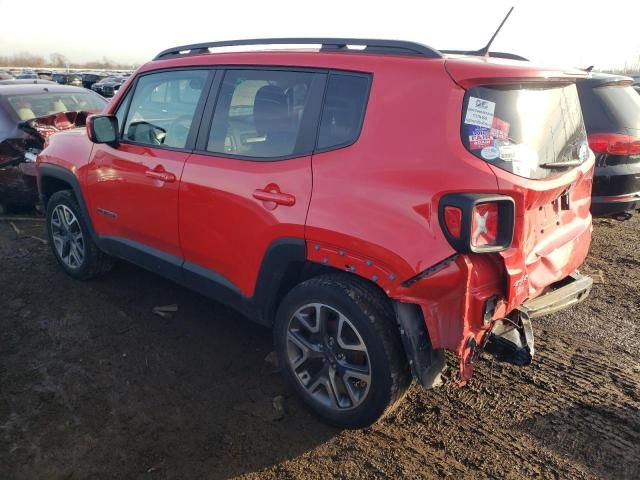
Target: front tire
x,y
70,239
340,349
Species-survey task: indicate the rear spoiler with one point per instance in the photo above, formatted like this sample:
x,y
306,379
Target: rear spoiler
x,y
508,56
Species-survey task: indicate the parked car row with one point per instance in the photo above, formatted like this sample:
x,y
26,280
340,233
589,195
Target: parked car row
x,y
104,83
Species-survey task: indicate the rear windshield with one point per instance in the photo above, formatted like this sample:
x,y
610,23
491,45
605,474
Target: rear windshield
x,y
26,107
525,129
622,103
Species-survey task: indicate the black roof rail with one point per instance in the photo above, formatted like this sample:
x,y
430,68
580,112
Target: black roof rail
x,y
392,47
478,53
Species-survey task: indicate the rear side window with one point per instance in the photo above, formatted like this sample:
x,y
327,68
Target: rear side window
x,y
260,113
343,110
163,106
532,131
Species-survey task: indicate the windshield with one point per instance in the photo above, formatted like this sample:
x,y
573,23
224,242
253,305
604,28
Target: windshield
x,y
525,129
31,106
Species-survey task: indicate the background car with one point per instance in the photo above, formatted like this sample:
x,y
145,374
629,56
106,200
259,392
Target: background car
x,y
611,111
88,79
28,115
27,76
109,83
109,89
67,79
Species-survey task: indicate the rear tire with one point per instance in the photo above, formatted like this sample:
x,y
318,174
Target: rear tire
x,y
70,239
340,350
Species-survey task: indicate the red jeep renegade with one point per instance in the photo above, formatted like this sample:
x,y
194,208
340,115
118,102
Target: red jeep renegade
x,y
376,202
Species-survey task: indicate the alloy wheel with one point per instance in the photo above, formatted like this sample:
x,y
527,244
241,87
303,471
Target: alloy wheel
x,y
328,356
67,236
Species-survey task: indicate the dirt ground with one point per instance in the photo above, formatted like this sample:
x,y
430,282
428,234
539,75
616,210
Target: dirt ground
x,y
94,385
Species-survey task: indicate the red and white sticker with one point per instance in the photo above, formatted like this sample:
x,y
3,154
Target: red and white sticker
x,y
500,129
478,141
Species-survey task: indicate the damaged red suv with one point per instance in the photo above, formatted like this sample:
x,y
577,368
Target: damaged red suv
x,y
375,202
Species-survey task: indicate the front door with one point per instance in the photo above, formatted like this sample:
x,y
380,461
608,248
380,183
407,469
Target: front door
x,y
249,182
133,186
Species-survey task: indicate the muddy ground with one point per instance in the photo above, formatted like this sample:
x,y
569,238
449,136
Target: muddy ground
x,y
94,385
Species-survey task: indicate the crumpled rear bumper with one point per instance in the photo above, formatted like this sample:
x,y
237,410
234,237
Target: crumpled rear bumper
x,y
463,301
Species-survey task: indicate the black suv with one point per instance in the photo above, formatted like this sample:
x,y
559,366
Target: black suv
x,y
611,111
89,79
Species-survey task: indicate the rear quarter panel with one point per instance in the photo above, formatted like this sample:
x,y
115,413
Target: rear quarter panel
x,y
377,199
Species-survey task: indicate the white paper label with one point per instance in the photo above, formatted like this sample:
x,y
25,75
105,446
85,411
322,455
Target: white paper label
x,y
480,112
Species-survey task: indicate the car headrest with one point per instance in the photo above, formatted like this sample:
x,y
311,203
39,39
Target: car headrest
x,y
270,110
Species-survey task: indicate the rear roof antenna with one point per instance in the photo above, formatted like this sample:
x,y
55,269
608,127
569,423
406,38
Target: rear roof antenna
x,y
485,50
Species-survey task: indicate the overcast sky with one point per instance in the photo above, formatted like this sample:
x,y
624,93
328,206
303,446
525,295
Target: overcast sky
x,y
572,33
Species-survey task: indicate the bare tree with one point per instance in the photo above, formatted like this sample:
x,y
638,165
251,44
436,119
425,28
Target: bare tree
x,y
58,60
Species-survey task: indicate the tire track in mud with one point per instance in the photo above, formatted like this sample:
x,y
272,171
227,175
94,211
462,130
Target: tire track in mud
x,y
569,402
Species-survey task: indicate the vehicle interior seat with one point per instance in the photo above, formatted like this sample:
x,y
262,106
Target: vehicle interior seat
x,y
58,106
25,113
271,118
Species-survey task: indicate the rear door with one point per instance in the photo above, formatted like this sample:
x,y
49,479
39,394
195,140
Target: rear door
x,y
248,184
133,186
533,137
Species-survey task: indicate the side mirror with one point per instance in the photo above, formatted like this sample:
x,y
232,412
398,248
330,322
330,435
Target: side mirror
x,y
103,129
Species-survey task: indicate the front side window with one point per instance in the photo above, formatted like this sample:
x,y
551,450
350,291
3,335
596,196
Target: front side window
x,y
163,106
343,110
259,113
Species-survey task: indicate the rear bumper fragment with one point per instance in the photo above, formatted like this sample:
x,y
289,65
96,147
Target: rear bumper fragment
x,y
573,290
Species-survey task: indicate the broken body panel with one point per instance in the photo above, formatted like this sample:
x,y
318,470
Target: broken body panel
x,y
18,185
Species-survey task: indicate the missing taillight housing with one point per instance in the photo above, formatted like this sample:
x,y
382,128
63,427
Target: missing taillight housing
x,y
614,144
477,223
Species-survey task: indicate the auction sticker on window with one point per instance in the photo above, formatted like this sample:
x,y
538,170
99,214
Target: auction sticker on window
x,y
479,137
480,112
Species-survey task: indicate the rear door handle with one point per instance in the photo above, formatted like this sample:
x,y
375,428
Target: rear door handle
x,y
162,176
276,197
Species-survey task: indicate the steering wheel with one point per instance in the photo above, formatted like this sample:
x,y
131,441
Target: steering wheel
x,y
178,131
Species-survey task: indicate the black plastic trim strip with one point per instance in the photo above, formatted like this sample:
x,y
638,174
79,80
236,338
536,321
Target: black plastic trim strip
x,y
281,265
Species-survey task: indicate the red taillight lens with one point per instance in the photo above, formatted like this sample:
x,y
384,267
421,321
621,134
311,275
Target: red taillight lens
x,y
484,224
453,220
614,144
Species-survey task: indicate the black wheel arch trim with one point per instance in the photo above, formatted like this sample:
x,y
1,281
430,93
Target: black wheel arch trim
x,y
427,363
59,173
